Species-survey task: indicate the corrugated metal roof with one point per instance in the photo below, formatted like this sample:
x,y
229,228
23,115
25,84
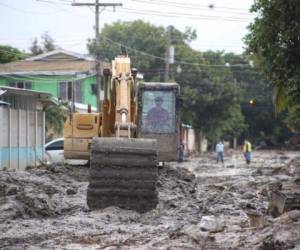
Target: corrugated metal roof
x,y
44,97
11,90
4,103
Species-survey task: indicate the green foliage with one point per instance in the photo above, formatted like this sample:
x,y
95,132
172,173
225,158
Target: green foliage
x,y
9,54
211,101
274,43
262,123
55,116
145,43
293,119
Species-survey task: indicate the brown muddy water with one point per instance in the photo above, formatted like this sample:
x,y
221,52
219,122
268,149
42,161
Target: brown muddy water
x,y
202,205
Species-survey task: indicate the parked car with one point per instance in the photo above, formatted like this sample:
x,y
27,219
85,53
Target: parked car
x,y
54,153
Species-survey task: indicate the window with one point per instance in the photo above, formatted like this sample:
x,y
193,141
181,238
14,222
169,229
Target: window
x,y
158,111
21,85
58,145
66,91
94,89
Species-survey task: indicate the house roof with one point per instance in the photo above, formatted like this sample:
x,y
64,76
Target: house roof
x,y
44,97
57,62
59,54
28,92
46,67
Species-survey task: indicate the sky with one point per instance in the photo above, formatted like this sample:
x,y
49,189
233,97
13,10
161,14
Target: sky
x,y
220,24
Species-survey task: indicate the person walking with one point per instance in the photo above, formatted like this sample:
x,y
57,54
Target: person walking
x,y
219,151
247,149
181,153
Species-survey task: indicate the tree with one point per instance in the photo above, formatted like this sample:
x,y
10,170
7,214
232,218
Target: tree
x,y
9,54
47,45
35,48
211,102
256,101
48,42
207,91
274,44
55,116
145,43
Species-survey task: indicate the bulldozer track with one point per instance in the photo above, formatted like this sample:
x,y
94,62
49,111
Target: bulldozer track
x,y
123,173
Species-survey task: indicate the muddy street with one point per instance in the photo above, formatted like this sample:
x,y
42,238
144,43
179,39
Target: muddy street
x,y
202,205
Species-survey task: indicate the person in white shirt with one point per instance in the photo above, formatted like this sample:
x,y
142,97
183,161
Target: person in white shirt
x,y
219,151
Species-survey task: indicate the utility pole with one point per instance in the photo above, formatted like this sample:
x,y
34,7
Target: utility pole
x,y
167,66
169,61
97,5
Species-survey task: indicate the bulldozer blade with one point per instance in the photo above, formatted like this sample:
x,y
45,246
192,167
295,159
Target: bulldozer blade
x,y
123,173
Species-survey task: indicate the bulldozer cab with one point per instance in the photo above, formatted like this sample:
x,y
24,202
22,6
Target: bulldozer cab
x,y
158,118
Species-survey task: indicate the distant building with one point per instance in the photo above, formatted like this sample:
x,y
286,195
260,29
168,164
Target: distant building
x,y
188,138
54,72
22,127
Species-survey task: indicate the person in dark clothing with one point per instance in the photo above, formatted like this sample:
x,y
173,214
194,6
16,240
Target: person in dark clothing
x,y
181,153
157,117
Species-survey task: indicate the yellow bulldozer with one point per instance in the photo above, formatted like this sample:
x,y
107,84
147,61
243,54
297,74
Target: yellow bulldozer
x,y
137,127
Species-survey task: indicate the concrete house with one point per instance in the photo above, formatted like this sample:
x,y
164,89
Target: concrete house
x,y
54,72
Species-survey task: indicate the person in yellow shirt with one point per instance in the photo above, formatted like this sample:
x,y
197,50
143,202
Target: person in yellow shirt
x,y
247,149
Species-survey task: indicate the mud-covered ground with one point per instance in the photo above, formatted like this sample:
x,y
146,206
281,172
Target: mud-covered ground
x,y
202,205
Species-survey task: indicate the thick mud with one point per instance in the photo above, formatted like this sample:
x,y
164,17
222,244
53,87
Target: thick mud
x,y
202,205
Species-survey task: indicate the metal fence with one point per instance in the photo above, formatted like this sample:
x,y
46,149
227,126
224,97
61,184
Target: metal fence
x,y
22,137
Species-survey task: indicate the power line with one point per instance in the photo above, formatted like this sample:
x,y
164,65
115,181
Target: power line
x,y
181,15
184,14
66,1
97,6
57,6
191,7
35,79
175,61
25,11
57,43
55,2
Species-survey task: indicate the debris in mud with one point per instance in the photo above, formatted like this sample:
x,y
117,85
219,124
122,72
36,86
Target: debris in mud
x,y
202,205
269,243
281,202
71,191
212,224
290,217
33,194
256,219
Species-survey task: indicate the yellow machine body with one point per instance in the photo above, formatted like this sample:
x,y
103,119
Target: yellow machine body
x,y
81,128
123,160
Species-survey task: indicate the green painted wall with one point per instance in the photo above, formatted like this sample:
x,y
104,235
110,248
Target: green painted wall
x,y
88,97
47,86
3,81
50,84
